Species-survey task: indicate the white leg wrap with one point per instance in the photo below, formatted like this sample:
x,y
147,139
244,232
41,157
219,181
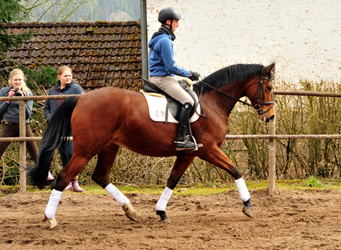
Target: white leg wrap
x,y
117,195
53,203
165,196
243,191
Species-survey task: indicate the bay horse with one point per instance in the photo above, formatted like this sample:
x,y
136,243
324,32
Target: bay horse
x,y
107,118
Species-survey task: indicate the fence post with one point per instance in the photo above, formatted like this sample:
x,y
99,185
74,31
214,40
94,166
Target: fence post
x,y
272,160
22,146
272,149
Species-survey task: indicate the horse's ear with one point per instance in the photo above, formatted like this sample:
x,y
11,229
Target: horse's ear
x,y
268,69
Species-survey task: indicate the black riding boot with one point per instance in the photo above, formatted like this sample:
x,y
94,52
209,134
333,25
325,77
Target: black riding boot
x,y
182,141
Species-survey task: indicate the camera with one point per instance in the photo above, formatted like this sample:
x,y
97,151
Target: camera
x,y
17,92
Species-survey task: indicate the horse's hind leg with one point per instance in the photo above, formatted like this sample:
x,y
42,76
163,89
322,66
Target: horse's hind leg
x,y
75,165
106,158
180,166
71,170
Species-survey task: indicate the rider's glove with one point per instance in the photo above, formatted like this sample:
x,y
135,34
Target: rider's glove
x,y
195,76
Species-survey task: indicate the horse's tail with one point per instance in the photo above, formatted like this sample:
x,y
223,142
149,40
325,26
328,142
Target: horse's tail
x,y
54,136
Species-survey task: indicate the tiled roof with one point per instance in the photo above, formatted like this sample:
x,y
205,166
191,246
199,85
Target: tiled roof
x,y
100,54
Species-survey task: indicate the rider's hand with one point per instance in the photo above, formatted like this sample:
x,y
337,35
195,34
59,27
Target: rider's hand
x,y
195,76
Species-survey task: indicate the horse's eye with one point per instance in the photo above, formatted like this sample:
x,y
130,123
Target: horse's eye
x,y
268,88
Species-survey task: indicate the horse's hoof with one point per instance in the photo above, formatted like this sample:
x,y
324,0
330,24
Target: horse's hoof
x,y
167,220
53,222
247,212
163,216
130,212
247,208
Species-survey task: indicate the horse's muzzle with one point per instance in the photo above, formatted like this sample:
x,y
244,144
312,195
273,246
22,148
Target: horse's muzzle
x,y
266,117
266,112
271,118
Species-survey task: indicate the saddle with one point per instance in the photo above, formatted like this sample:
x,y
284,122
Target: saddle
x,y
172,105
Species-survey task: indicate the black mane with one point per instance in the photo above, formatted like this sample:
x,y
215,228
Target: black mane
x,y
224,76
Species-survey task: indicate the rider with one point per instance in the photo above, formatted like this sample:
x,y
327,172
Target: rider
x,y
162,68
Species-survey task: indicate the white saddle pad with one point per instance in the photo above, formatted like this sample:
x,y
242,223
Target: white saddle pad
x,y
157,109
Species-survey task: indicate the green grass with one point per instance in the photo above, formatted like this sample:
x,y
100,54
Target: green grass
x,y
312,183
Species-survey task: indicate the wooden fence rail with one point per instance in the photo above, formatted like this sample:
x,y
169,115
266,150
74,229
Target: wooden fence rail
x,y
271,136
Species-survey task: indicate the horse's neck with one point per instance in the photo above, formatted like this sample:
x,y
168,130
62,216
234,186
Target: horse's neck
x,y
224,103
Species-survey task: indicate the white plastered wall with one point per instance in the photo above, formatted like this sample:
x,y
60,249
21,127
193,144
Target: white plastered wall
x,y
303,37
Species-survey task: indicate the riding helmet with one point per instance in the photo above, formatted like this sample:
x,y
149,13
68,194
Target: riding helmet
x,y
168,13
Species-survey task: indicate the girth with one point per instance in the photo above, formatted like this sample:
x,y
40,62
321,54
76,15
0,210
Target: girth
x,y
172,105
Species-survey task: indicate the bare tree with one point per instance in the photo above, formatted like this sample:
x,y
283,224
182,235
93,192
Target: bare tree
x,y
63,10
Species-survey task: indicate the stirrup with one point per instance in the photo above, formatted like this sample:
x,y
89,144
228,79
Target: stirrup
x,y
185,147
195,147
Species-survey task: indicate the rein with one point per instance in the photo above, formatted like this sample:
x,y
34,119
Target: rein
x,y
257,106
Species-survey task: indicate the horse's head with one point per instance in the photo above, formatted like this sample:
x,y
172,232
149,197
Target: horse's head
x,y
236,81
261,94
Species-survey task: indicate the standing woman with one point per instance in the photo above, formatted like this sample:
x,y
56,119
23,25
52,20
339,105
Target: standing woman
x,y
10,112
65,86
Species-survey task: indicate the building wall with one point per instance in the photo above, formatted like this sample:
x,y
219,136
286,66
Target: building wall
x,y
302,37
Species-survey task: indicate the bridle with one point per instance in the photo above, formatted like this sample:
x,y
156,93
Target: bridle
x,y
261,96
258,105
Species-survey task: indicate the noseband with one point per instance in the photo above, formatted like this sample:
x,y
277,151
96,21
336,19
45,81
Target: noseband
x,y
261,96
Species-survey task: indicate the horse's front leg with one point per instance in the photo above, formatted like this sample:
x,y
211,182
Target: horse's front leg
x,y
180,166
219,159
106,158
